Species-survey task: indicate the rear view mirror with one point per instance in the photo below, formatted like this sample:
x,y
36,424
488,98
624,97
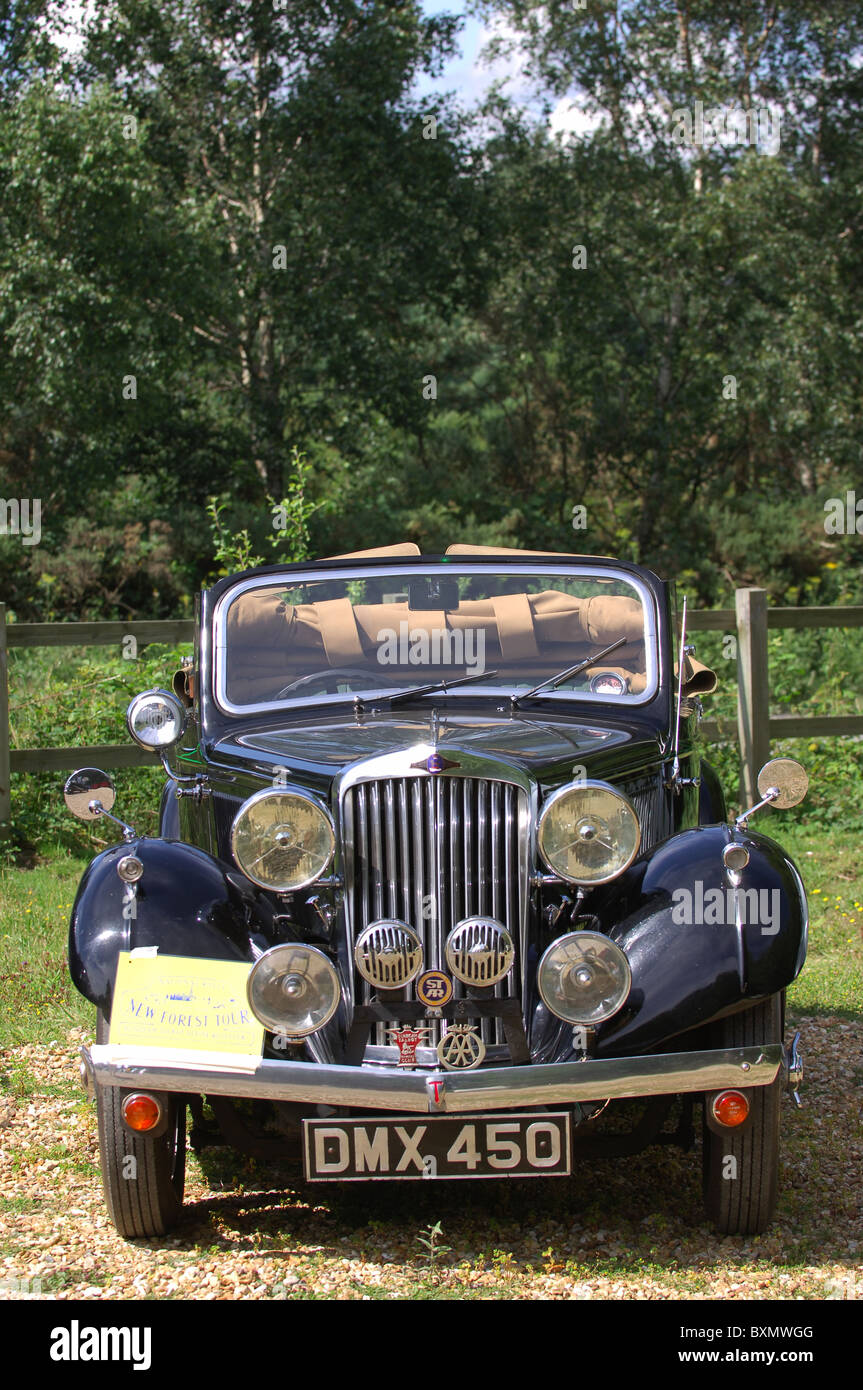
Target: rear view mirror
x,y
88,793
788,778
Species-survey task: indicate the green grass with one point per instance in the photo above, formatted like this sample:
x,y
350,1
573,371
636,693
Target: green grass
x,y
38,1002
832,979
20,1205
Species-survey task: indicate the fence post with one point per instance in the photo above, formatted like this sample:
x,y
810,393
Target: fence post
x,y
753,689
5,779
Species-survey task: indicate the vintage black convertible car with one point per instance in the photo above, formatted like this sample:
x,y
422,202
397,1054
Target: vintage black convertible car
x,y
441,876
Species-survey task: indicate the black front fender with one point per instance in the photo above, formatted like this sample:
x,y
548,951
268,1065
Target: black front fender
x,y
186,903
697,947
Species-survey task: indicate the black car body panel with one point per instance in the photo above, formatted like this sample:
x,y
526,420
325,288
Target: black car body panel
x,y
187,904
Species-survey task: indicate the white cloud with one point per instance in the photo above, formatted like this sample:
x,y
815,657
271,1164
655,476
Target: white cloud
x,y
569,119
65,21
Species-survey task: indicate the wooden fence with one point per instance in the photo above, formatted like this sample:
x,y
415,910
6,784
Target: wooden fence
x,y
749,620
73,635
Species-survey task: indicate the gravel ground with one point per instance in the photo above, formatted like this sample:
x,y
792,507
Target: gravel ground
x,y
628,1229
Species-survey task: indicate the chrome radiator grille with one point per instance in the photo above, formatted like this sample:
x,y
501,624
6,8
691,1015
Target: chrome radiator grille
x,y
432,851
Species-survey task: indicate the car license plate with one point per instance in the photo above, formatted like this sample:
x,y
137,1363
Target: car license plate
x,y
439,1146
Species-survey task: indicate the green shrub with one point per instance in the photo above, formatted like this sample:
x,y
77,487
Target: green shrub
x,y
66,697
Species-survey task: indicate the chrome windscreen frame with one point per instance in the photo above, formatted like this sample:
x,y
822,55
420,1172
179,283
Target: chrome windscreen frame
x,y
296,578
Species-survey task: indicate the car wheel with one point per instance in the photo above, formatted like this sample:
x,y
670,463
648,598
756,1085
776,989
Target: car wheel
x,y
741,1169
143,1177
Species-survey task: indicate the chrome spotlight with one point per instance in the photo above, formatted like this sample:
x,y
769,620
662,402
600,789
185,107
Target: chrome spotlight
x,y
388,953
293,989
479,951
584,978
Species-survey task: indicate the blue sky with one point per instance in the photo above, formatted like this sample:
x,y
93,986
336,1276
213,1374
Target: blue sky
x,y
462,73
470,77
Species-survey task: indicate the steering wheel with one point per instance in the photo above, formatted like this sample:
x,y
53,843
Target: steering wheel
x,y
328,676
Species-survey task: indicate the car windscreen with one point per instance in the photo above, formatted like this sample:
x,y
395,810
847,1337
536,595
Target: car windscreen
x,y
294,639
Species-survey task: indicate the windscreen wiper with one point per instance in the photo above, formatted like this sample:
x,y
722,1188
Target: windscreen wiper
x,y
437,687
554,681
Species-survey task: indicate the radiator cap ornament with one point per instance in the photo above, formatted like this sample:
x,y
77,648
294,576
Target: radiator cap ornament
x,y
461,1048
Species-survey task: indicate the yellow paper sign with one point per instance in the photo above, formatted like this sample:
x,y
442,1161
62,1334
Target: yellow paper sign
x,y
183,1002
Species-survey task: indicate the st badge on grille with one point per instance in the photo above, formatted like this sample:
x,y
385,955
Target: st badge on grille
x,y
461,1048
434,989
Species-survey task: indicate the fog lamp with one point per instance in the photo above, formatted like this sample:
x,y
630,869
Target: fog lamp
x,y
293,990
584,978
388,953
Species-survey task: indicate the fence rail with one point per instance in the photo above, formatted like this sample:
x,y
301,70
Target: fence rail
x,y
749,620
169,630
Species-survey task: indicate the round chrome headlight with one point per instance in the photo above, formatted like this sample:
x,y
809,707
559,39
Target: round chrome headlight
x,y
283,840
588,833
293,990
388,953
156,719
584,978
479,951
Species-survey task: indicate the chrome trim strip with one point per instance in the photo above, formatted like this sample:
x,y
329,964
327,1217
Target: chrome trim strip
x,y
495,1088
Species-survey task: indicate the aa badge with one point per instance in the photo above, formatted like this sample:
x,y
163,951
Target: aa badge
x,y
434,989
461,1048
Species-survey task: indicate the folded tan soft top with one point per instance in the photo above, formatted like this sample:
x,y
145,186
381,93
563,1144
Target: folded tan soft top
x,y
504,550
377,552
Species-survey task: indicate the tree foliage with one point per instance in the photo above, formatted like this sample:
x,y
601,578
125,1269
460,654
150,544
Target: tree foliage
x,y
231,234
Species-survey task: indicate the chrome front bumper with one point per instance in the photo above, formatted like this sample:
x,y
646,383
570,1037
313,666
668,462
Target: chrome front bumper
x,y
494,1088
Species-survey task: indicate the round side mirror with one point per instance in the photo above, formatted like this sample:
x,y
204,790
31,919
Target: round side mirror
x,y
89,792
789,777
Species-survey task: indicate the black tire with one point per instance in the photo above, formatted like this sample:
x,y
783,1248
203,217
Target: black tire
x,y
144,1198
740,1198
